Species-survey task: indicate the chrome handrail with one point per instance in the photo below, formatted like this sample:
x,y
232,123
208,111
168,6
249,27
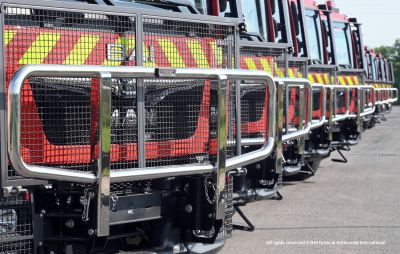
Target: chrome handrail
x,y
339,117
134,174
298,82
321,121
370,110
104,175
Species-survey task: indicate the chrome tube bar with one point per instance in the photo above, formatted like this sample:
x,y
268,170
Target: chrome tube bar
x,y
103,162
134,174
223,86
321,121
370,109
334,88
305,83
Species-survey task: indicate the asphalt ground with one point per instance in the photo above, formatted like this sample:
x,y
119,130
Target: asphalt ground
x,y
344,208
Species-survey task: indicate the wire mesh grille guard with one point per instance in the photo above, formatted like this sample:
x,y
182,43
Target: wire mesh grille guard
x,y
59,111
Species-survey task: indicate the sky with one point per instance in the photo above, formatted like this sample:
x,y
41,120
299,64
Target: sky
x,y
380,19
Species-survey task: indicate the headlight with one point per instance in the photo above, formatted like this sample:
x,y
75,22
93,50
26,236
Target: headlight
x,y
8,221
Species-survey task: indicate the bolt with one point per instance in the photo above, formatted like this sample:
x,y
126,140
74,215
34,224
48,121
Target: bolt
x,y
70,223
210,215
188,208
258,166
51,252
40,243
90,231
186,188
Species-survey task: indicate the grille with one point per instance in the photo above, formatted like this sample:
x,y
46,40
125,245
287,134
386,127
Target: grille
x,y
17,247
56,113
340,101
180,120
58,121
254,102
297,69
227,226
254,111
15,224
292,109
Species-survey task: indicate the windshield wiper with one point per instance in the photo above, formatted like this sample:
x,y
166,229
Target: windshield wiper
x,y
173,3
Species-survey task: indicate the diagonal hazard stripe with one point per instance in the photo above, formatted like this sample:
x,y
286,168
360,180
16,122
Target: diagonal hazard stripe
x,y
279,72
40,48
217,54
8,36
311,78
320,79
266,66
172,53
129,44
341,81
349,81
198,53
251,65
291,73
82,49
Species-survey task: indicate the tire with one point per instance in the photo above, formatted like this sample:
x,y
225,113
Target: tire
x,y
314,164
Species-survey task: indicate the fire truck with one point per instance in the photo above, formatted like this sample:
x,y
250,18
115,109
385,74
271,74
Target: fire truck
x,y
142,126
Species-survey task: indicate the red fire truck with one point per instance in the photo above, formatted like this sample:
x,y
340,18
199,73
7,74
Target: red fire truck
x,y
142,126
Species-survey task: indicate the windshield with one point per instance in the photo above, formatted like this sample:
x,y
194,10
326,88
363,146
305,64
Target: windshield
x,y
343,44
314,35
255,17
200,5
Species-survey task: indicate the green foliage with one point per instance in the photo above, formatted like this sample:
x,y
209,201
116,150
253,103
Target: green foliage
x,y
393,54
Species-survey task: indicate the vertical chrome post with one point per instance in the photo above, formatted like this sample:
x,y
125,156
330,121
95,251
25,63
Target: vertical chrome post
x,y
302,110
238,119
103,163
280,89
331,112
223,86
286,107
358,105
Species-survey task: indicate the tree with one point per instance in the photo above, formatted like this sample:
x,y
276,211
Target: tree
x,y
393,54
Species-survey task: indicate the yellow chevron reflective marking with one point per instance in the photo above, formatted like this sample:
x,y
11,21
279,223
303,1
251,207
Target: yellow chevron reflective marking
x,y
82,49
279,72
148,60
8,36
326,79
341,81
40,48
319,79
357,82
291,73
251,65
349,81
129,44
172,53
311,78
198,53
266,66
217,53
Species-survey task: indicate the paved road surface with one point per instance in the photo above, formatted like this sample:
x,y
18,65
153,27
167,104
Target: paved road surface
x,y
353,202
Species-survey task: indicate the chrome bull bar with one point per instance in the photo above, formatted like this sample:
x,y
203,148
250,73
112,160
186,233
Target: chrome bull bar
x,y
104,176
367,108
320,122
333,109
305,104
